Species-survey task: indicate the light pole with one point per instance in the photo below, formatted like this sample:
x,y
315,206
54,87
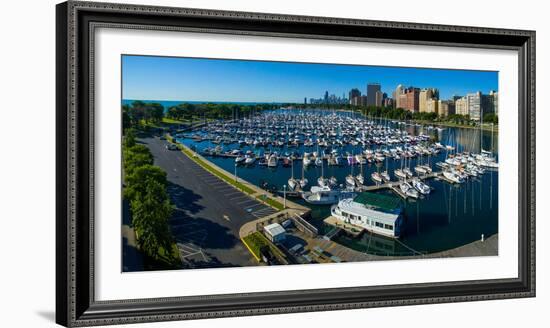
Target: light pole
x,y
235,172
284,196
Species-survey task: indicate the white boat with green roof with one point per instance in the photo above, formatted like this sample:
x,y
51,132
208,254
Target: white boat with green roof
x,y
375,213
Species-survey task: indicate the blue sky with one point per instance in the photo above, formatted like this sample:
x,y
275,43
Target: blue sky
x,y
197,79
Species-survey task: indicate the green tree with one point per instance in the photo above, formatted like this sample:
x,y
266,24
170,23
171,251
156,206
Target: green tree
x,y
151,210
129,138
137,181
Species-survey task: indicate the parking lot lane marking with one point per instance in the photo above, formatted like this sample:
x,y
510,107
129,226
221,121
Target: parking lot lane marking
x,y
247,201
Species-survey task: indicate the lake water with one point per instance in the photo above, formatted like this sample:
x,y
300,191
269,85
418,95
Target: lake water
x,y
451,216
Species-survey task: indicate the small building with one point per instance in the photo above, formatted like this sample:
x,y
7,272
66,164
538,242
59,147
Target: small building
x,y
275,232
376,213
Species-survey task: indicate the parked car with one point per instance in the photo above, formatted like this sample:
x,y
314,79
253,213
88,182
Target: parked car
x,y
171,147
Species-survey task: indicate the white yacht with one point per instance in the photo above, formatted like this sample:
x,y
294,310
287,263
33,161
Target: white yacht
x,y
323,182
453,176
400,174
408,190
325,195
306,160
376,177
272,160
421,187
239,159
292,183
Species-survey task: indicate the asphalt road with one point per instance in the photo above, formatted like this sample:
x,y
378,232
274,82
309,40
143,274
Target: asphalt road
x,y
209,212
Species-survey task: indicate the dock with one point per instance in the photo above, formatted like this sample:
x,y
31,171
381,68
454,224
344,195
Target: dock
x,y
394,185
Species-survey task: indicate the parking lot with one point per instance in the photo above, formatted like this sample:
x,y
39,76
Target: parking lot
x,y
209,212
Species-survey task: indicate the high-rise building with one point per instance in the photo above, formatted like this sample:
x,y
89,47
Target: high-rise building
x,y
490,102
389,102
412,96
326,97
426,95
446,108
363,100
432,106
354,95
372,89
402,100
397,96
461,106
379,98
474,106
305,100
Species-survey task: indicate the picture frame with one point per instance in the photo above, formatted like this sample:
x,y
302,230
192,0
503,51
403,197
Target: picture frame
x,y
76,304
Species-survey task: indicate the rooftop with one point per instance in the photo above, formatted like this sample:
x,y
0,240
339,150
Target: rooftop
x,y
378,201
353,207
274,229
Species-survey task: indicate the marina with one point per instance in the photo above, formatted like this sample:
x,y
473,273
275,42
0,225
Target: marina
x,y
319,158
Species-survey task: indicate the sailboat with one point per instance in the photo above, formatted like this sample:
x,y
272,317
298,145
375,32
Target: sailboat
x,y
359,179
406,170
292,183
303,181
384,174
350,179
399,172
322,181
306,160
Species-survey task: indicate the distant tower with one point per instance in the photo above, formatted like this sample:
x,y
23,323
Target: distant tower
x,y
305,101
372,89
326,96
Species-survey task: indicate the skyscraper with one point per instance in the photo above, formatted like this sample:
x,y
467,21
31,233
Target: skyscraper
x,y
397,96
372,89
412,95
461,106
474,106
354,95
490,102
446,108
379,98
326,97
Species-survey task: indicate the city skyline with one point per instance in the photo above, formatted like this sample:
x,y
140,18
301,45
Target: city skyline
x,y
227,80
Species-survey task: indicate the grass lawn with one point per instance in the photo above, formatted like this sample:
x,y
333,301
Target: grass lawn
x,y
168,120
257,240
271,202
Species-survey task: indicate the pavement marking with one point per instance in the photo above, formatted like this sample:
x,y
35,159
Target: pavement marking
x,y
265,212
248,209
233,193
252,201
240,199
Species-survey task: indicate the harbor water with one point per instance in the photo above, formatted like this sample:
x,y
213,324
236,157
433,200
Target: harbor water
x,y
452,215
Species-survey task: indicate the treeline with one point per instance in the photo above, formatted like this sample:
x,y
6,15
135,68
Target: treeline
x,y
187,111
140,111
145,190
